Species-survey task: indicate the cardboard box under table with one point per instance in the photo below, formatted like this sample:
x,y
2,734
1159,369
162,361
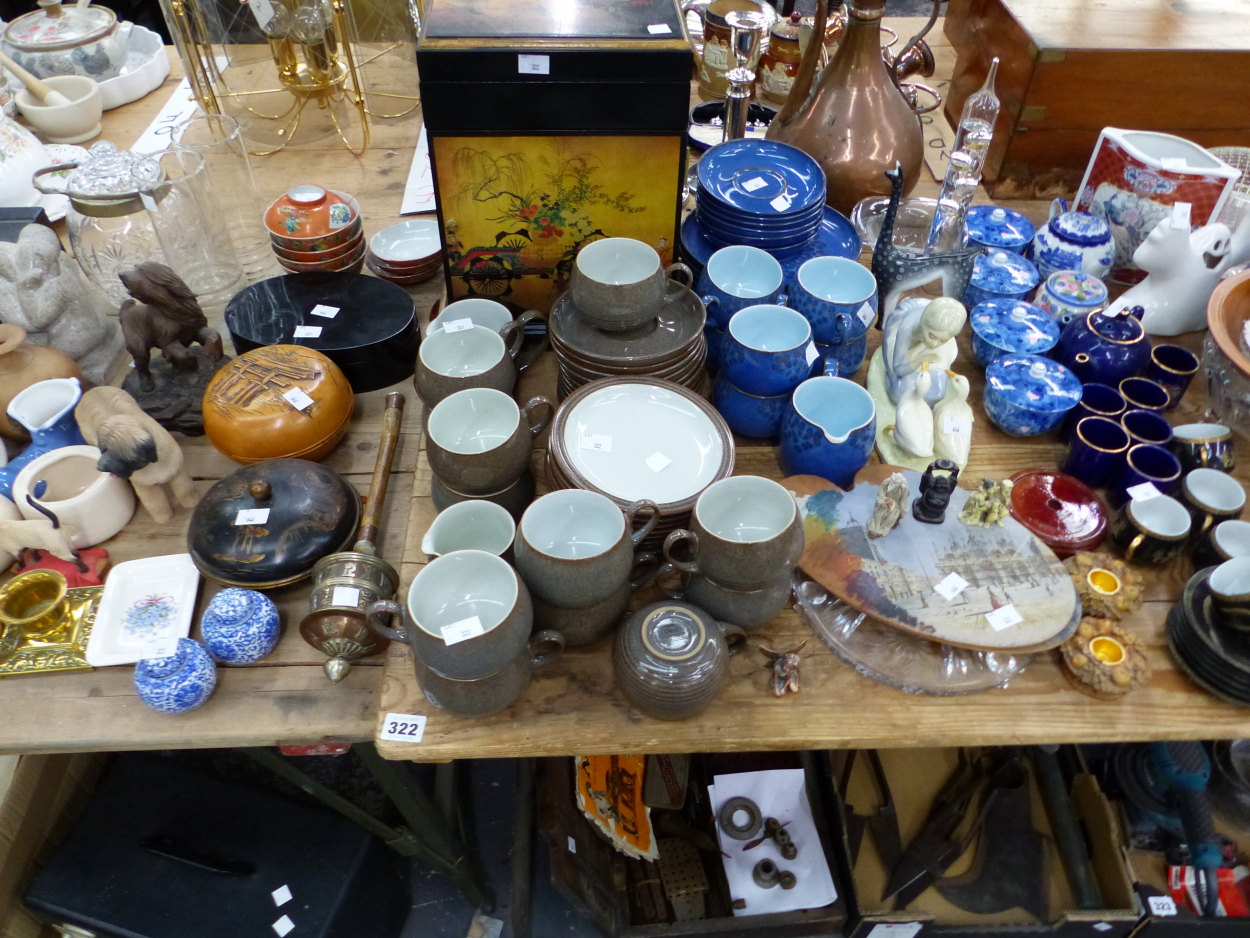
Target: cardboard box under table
x,y
551,123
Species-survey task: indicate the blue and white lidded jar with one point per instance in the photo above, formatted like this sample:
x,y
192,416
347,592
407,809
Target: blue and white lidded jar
x,y
240,626
998,228
1000,275
1004,327
178,683
1074,241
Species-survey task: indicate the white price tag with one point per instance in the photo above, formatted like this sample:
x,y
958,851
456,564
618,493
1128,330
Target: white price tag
x,y
659,29
867,314
1101,926
951,587
263,11
458,325
957,425
658,462
462,630
755,182
281,895
403,727
599,442
251,516
572,845
161,647
1003,617
1143,492
329,312
1173,162
1161,905
533,64
298,399
1180,215
345,596
283,926
896,930
781,203
812,353
307,332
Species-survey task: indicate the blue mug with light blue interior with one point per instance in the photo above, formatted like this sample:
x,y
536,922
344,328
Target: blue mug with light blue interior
x,y
838,296
748,414
767,350
828,430
737,277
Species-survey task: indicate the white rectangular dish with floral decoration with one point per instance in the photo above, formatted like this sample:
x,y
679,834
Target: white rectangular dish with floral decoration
x,y
145,601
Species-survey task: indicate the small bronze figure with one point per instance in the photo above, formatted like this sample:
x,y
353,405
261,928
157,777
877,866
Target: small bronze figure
x,y
163,314
937,485
785,667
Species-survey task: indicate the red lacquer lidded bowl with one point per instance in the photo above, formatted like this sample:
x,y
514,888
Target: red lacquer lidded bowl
x,y
1063,512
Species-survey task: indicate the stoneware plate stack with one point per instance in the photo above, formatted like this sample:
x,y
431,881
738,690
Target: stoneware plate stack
x,y
406,253
635,438
671,347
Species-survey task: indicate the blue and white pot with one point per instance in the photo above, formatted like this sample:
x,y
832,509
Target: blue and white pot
x,y
828,430
1003,327
1027,395
240,626
996,228
1073,241
179,683
1000,275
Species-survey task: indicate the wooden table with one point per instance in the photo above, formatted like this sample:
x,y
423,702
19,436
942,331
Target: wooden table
x,y
286,697
572,706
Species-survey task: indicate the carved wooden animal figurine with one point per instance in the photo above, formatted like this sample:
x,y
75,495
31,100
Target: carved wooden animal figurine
x,y
135,447
164,314
897,270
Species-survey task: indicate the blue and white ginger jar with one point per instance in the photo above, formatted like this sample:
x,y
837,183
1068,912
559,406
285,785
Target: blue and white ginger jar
x,y
995,227
1073,241
240,626
179,683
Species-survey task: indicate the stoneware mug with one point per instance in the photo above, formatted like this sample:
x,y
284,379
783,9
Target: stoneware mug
x,y
767,350
1151,530
747,609
1224,541
497,318
467,615
828,430
477,441
749,414
476,357
745,532
737,277
584,625
575,548
1211,497
1204,446
1230,593
483,696
619,283
513,498
838,296
470,525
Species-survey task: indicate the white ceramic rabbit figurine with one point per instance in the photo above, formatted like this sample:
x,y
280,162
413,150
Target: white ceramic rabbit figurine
x,y
1180,276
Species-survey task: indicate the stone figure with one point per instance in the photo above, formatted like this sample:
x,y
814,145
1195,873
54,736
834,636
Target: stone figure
x,y
937,485
888,509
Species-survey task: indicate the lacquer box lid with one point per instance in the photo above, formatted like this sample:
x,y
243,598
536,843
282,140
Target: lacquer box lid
x,y
658,23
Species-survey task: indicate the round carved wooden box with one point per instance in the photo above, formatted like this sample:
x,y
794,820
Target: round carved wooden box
x,y
277,401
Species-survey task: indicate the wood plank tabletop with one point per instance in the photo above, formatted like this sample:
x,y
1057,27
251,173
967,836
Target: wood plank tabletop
x,y
572,707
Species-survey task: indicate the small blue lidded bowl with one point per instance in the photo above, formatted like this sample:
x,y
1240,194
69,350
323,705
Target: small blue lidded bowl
x,y
1028,395
1007,327
1000,275
998,228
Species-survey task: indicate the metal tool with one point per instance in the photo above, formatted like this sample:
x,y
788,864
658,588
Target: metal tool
x,y
884,824
1063,824
1184,770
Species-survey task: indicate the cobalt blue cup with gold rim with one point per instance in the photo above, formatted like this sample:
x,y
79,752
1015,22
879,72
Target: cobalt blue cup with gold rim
x,y
1144,463
767,350
1211,497
1221,542
1096,451
1146,426
1204,446
1173,367
1150,530
1144,394
1097,400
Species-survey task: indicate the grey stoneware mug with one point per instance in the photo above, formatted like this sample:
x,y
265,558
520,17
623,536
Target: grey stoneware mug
x,y
479,441
585,625
747,609
619,283
745,532
467,615
494,692
575,548
472,357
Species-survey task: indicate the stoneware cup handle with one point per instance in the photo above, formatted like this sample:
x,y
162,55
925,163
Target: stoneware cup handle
x,y
680,268
676,537
735,638
387,608
631,513
533,404
646,566
664,571
513,334
844,327
710,303
546,646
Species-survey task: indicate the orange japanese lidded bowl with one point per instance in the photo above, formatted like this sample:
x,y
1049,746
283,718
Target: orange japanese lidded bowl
x,y
277,401
309,219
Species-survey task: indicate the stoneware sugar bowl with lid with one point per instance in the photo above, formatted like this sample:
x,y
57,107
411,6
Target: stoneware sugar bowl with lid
x,y
1027,395
671,659
1006,327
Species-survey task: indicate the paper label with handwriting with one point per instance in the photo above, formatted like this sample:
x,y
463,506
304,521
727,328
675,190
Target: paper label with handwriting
x,y
957,425
866,313
659,29
252,516
951,587
298,398
462,631
1143,492
161,647
754,183
307,332
597,442
403,727
781,203
1180,215
263,11
329,312
458,325
533,64
658,462
1003,617
345,596
1161,905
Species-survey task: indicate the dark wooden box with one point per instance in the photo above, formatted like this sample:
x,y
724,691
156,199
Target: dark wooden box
x,y
551,123
1070,68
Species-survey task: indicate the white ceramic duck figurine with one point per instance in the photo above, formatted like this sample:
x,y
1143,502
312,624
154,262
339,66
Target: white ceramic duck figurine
x,y
913,421
952,422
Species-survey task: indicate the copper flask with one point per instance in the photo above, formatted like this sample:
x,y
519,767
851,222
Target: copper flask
x,y
856,123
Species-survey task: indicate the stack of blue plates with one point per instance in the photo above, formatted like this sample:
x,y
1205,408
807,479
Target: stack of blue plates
x,y
759,192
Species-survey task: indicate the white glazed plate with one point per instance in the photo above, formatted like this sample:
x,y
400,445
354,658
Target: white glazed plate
x,y
648,426
412,240
143,601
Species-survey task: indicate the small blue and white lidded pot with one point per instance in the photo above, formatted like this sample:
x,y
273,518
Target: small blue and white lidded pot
x,y
1027,395
178,683
1074,241
1068,294
1004,327
998,228
1000,275
240,626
